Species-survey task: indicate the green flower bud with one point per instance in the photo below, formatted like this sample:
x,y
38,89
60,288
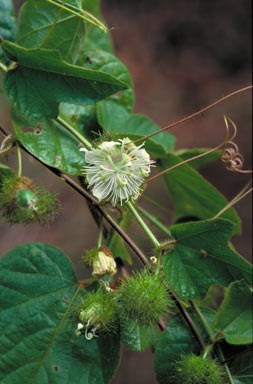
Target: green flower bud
x,y
21,201
102,261
97,311
192,369
144,297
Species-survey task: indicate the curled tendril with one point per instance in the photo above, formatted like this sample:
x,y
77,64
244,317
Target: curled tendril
x,y
90,333
153,260
230,154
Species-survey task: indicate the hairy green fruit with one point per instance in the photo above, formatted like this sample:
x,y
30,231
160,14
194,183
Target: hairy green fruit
x,y
144,297
21,201
192,369
97,310
26,198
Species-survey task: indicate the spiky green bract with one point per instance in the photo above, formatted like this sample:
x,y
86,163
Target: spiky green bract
x,y
98,310
89,256
21,201
192,369
144,297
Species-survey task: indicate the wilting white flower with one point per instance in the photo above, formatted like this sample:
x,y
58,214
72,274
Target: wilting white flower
x,y
116,169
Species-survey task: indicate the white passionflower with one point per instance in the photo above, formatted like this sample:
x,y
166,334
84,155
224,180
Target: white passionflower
x,y
116,169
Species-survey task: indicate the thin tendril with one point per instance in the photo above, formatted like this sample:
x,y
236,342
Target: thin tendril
x,y
195,114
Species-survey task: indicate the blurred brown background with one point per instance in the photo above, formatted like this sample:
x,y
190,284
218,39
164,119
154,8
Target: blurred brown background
x,y
182,55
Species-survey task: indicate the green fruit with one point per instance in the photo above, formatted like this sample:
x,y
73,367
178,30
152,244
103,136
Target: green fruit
x,y
26,198
192,369
144,297
98,310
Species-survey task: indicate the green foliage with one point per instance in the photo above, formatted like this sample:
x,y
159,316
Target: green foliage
x,y
39,295
5,172
137,337
43,79
116,120
41,24
234,317
97,60
177,340
94,37
7,23
66,87
144,298
186,154
192,195
192,369
241,367
201,256
49,142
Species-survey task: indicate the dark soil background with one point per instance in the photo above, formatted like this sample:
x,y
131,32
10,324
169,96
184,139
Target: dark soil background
x,y
182,55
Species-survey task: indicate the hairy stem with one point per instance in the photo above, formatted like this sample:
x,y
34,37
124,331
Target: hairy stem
x,y
77,134
154,221
196,113
143,224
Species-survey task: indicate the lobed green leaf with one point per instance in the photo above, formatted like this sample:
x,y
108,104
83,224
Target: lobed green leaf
x,y
202,256
98,60
117,121
43,25
234,317
42,79
192,195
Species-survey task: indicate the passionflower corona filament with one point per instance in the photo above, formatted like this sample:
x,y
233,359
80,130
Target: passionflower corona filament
x,y
115,170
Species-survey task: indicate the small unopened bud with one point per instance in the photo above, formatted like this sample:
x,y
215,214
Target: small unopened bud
x,y
104,263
